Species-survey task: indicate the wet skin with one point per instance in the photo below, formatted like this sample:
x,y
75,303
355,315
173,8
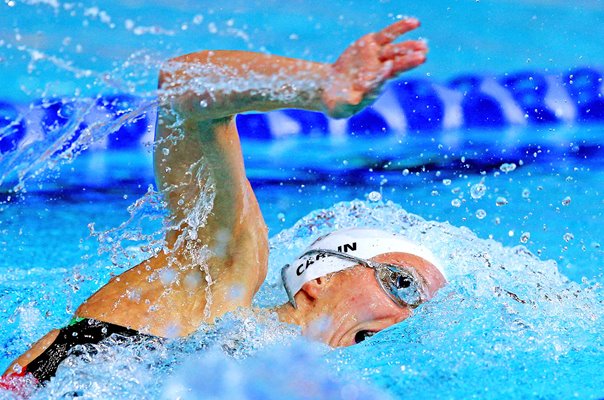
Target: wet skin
x,y
339,308
207,140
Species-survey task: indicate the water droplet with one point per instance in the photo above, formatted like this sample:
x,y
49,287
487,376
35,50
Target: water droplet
x,y
566,201
501,201
478,190
198,19
505,167
525,237
455,202
480,213
526,193
374,196
568,237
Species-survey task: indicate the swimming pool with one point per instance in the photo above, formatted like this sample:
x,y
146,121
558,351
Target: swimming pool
x,y
508,325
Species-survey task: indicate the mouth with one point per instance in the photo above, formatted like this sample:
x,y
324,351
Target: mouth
x,y
362,335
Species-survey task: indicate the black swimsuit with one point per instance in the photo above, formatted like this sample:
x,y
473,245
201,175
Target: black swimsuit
x,y
80,331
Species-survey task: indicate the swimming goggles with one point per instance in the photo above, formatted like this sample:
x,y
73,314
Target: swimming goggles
x,y
400,283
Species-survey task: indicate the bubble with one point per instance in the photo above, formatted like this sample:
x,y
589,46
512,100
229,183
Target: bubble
x,y
455,202
507,167
281,217
480,213
374,196
434,193
165,151
478,190
446,182
501,201
568,237
566,201
405,172
525,237
198,19
526,193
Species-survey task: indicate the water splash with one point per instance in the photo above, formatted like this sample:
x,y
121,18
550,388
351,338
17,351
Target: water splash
x,y
503,313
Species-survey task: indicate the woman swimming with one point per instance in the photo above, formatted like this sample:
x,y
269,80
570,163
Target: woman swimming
x,y
355,282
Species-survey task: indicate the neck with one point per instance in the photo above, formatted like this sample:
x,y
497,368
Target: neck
x,y
290,315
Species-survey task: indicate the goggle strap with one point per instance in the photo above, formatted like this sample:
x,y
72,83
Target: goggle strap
x,y
288,290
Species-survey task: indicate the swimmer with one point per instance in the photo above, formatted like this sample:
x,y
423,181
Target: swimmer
x,y
345,287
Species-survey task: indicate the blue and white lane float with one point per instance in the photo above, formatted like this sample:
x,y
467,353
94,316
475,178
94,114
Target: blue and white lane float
x,y
406,106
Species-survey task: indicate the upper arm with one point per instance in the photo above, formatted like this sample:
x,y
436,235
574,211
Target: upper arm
x,y
199,168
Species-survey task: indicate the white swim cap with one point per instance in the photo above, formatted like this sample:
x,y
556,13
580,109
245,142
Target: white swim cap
x,y
359,242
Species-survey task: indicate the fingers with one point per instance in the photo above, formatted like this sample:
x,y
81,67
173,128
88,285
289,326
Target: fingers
x,y
407,62
391,51
390,33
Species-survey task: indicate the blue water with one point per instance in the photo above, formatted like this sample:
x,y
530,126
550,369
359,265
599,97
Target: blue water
x,y
509,324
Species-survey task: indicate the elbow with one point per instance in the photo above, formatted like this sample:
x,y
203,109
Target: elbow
x,y
175,68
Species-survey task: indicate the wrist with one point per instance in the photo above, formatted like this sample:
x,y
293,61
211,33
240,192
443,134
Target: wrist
x,y
339,99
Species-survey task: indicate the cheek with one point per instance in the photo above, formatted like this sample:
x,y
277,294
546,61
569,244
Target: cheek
x,y
372,304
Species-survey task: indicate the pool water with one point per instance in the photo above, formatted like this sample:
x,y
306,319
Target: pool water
x,y
514,212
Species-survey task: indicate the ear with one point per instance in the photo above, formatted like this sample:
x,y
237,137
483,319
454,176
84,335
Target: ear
x,y
313,289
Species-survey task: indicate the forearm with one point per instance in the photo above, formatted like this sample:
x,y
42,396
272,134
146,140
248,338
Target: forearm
x,y
216,84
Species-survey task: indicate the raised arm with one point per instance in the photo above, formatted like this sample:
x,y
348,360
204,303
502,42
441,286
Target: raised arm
x,y
201,92
198,142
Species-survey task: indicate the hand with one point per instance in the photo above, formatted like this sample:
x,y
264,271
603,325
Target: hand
x,y
359,73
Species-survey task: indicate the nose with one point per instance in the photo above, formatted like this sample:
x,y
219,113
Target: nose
x,y
403,315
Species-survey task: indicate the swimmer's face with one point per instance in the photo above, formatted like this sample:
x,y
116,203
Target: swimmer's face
x,y
351,305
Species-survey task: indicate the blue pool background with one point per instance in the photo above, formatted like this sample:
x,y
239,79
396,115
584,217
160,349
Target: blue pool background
x,y
51,262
